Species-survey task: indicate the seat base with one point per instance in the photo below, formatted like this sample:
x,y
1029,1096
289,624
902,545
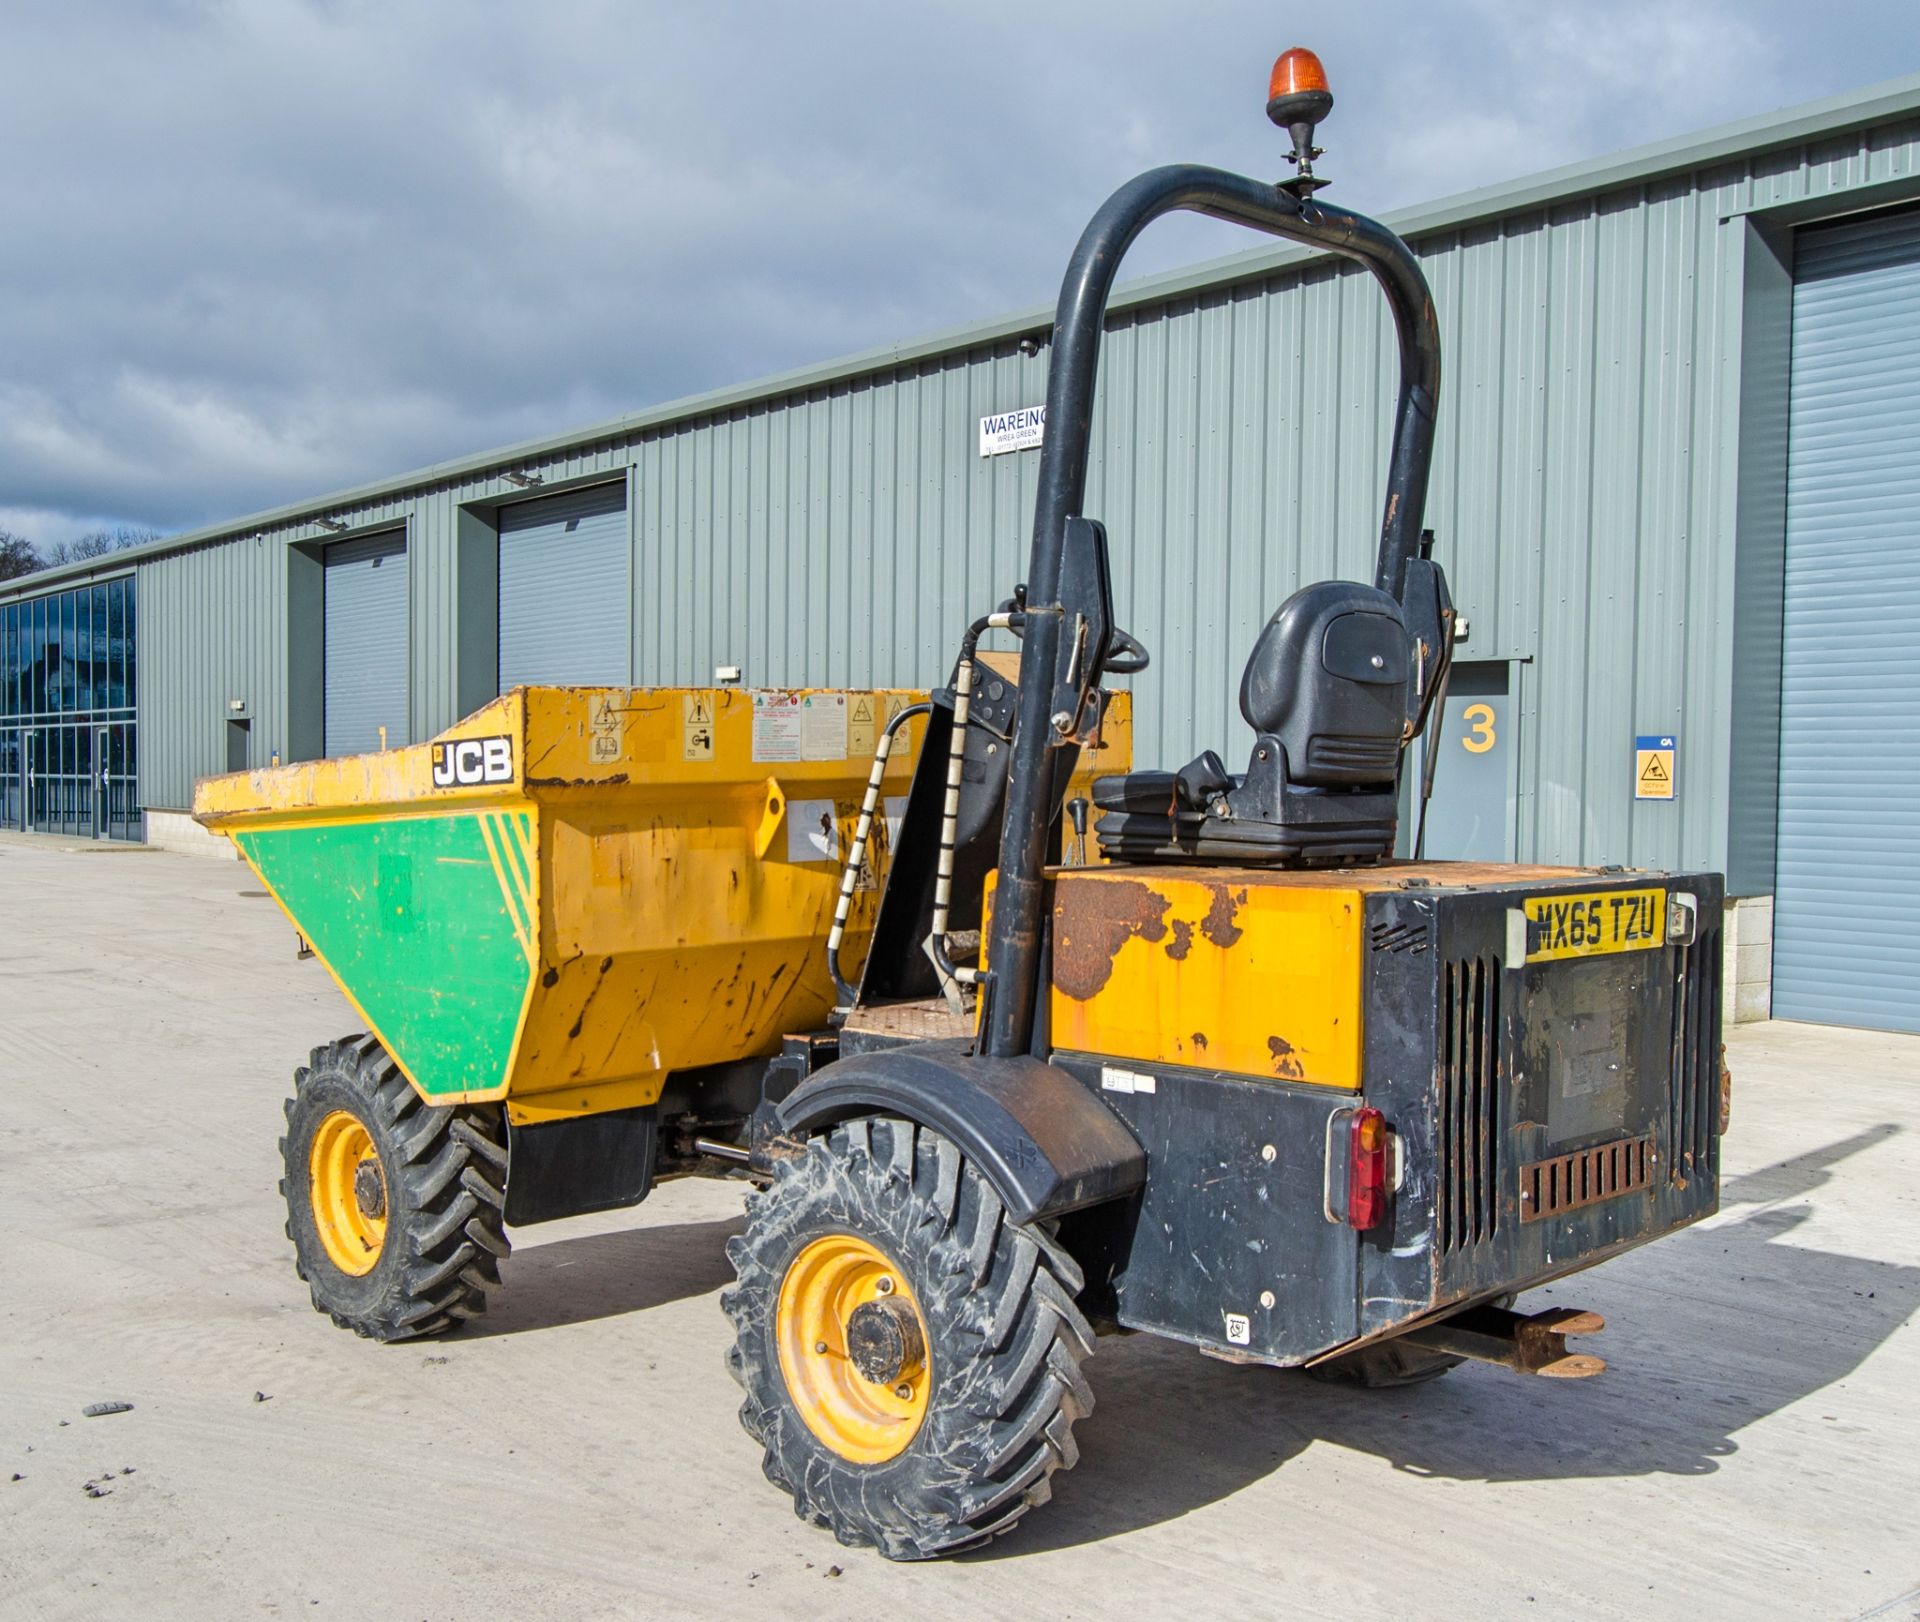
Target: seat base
x,y
1200,814
1135,836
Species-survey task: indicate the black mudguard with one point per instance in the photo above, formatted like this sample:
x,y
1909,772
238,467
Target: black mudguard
x,y
1039,1136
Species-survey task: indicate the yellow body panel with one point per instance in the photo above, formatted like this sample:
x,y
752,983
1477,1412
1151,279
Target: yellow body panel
x,y
1222,969
1252,971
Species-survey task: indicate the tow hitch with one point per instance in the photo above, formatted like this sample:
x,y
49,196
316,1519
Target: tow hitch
x,y
1527,1344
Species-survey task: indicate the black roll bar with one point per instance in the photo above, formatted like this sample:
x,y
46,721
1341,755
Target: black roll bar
x,y
1079,321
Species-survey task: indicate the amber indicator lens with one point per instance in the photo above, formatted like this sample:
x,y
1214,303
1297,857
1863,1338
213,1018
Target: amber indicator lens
x,y
1294,71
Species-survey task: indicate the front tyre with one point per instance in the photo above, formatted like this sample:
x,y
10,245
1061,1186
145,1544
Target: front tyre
x,y
394,1206
911,1358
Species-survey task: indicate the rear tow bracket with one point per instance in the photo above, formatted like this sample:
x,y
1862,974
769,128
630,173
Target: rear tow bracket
x,y
1527,1344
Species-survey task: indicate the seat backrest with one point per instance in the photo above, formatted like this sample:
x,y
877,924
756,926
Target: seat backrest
x,y
1328,678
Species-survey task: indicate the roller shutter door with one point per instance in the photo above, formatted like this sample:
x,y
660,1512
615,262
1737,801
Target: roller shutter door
x,y
563,590
366,643
1847,896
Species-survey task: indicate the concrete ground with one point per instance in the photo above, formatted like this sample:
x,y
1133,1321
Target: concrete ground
x,y
1754,1449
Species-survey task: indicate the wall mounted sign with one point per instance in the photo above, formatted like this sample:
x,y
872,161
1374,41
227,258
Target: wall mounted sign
x,y
1020,430
1653,767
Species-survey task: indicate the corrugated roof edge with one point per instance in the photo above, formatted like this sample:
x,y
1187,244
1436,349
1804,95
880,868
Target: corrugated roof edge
x,y
1790,126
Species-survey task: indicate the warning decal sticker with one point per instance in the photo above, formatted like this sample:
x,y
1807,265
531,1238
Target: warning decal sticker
x,y
863,731
603,733
696,726
1653,758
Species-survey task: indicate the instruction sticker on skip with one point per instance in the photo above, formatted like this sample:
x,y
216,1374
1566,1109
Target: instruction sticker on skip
x,y
799,726
776,726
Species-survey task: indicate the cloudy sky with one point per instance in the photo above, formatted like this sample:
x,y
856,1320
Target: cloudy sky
x,y
258,250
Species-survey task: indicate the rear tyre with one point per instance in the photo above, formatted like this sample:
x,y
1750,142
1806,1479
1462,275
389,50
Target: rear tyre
x,y
394,1206
911,1358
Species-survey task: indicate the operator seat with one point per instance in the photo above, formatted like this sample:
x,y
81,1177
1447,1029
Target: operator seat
x,y
1326,692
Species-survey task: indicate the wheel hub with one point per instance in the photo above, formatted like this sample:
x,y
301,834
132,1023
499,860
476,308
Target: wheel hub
x,y
884,1342
347,1189
370,1189
853,1348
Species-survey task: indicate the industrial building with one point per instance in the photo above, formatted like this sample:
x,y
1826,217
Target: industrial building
x,y
1675,492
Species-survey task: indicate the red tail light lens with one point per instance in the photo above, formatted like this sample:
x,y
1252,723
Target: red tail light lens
x,y
1366,1169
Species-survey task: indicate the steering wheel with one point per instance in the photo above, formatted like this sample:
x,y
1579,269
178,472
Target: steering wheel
x,y
1126,656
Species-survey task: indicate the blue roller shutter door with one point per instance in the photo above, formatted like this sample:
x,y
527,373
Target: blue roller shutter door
x,y
563,590
1847,889
366,643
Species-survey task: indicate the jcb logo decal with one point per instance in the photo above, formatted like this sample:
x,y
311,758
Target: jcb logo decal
x,y
468,761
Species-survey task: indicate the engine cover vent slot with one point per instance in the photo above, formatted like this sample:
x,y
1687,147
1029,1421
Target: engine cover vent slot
x,y
1694,1103
1409,937
1550,1188
1468,1130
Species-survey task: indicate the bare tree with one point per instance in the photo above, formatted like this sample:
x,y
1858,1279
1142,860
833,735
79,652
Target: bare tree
x,y
96,544
17,556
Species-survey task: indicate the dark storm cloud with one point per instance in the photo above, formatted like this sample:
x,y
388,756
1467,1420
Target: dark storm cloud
x,y
257,251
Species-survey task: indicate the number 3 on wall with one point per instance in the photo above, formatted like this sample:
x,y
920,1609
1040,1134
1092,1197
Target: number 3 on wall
x,y
1481,738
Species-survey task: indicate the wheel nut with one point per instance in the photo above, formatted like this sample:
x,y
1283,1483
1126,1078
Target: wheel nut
x,y
885,1286
904,1392
820,1348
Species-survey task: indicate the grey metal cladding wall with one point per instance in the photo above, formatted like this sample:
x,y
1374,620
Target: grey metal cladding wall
x,y
842,538
212,628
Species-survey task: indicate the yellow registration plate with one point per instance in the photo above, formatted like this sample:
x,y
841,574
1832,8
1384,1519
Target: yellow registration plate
x,y
1594,924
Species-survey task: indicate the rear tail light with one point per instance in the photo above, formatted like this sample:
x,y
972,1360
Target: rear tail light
x,y
1366,1169
1359,1150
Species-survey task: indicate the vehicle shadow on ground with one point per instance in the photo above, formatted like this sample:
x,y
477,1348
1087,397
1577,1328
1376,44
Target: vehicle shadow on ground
x,y
602,1275
1722,1326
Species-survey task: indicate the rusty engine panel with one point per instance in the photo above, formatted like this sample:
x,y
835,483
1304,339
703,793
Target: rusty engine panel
x,y
1547,1113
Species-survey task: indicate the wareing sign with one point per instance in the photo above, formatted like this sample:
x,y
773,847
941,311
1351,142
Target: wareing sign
x,y
1021,430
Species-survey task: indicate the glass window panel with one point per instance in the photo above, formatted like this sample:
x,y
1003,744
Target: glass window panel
x,y
41,667
132,642
9,654
98,684
77,654
80,688
69,651
56,661
117,639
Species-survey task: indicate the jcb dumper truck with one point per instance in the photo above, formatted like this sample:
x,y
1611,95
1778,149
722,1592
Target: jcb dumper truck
x,y
1018,1044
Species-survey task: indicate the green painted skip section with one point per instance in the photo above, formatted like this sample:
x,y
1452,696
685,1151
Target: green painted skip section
x,y
427,924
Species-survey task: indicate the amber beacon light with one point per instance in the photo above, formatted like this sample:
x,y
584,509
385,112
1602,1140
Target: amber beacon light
x,y
1297,100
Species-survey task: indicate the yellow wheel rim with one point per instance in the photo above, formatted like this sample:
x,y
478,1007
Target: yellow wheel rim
x,y
349,1193
860,1383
